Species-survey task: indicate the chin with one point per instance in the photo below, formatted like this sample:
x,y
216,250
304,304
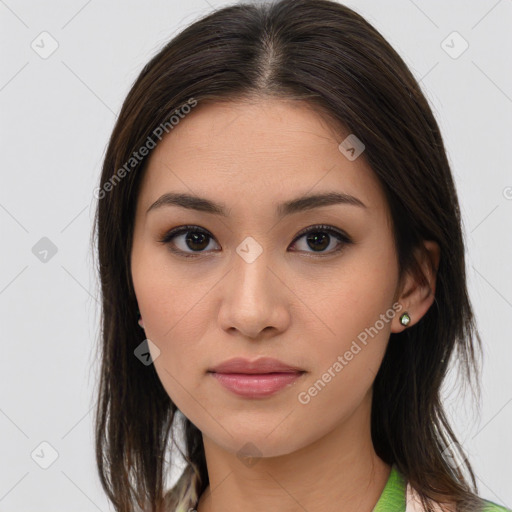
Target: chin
x,y
250,443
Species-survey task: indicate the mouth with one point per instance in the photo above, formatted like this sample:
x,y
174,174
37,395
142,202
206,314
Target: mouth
x,y
261,366
260,378
257,385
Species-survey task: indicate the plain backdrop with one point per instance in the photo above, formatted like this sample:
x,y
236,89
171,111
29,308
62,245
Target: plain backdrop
x,y
57,112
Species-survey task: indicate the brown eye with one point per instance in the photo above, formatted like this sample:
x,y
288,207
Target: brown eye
x,y
196,240
319,238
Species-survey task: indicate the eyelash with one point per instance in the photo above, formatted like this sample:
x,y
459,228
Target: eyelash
x,y
342,237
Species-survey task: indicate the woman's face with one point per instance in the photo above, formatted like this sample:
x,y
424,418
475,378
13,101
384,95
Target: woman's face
x,y
244,284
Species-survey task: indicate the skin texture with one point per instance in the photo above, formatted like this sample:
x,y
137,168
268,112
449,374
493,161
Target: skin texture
x,y
291,303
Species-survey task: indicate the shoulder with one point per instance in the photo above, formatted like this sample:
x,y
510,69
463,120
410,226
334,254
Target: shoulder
x,y
490,506
413,504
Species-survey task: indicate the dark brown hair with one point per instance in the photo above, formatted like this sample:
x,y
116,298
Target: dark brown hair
x,y
328,56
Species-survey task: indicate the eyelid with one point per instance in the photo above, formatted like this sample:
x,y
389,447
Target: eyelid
x,y
323,227
341,236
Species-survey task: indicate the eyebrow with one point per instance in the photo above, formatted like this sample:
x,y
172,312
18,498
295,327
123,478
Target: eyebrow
x,y
303,203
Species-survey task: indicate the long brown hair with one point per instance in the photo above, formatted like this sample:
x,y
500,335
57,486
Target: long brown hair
x,y
325,54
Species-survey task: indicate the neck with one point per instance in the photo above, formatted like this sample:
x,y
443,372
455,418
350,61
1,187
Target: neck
x,y
339,471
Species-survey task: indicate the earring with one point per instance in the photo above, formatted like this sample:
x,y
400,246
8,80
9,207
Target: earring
x,y
405,319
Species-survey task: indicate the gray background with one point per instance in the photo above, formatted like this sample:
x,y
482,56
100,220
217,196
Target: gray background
x,y
56,116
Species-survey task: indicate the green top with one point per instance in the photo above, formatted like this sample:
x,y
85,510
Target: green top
x,y
394,493
393,497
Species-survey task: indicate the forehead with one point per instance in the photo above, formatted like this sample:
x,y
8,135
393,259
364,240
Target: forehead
x,y
259,151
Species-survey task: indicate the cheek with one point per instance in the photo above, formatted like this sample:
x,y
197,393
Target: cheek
x,y
169,304
345,364
357,309
169,295
360,290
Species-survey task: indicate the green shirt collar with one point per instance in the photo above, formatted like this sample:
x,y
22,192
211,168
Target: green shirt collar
x,y
393,496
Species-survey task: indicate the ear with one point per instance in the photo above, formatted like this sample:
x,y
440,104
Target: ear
x,y
417,292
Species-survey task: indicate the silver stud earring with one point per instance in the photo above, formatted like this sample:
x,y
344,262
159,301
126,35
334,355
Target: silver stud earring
x,y
405,319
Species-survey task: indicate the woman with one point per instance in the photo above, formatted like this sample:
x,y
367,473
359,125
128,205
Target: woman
x,y
282,271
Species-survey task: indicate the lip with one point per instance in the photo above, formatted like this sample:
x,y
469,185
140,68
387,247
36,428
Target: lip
x,y
255,379
259,366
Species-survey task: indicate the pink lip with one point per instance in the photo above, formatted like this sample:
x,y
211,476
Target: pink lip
x,y
256,385
255,379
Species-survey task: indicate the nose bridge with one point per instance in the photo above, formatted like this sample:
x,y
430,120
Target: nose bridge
x,y
250,273
250,300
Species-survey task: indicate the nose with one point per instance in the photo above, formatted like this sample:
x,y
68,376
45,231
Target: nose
x,y
254,299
